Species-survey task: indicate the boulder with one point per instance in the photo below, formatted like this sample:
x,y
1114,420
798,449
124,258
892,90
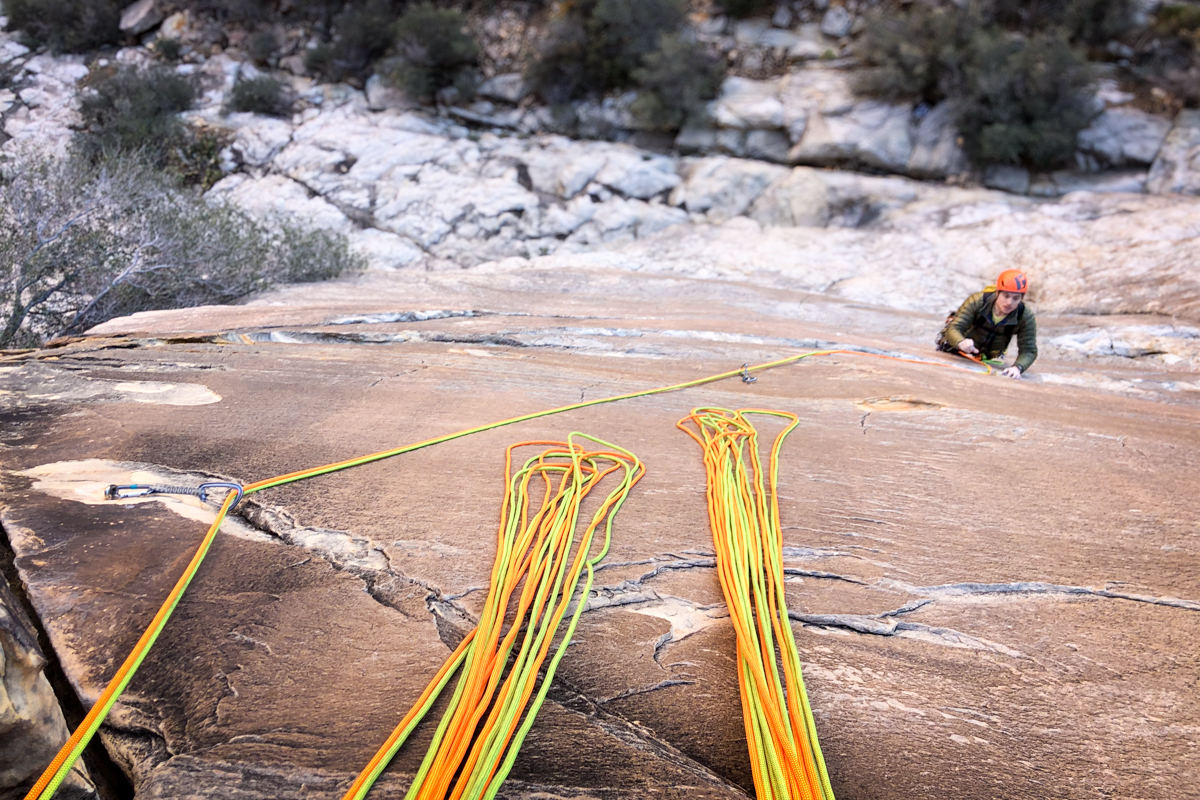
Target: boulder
x,y
747,104
721,187
772,145
509,87
382,96
798,199
1066,181
1176,170
936,150
837,22
141,16
829,125
1007,178
1124,136
32,727
174,26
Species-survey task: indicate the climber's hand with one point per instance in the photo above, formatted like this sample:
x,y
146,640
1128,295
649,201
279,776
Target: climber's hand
x,y
1011,372
968,347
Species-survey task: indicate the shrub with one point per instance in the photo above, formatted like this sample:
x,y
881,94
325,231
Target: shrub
x,y
169,49
261,95
917,55
1089,22
130,109
1023,101
676,81
595,45
362,35
262,46
83,242
71,26
433,51
744,8
1018,100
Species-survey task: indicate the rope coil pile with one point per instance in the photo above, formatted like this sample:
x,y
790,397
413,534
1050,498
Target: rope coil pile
x,y
743,510
490,714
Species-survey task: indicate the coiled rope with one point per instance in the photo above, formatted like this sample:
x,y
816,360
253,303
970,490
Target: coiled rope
x,y
541,550
62,763
743,510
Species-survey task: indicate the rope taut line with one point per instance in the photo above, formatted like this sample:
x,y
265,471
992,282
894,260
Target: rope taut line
x,y
70,752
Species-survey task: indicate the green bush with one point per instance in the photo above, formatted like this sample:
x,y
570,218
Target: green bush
x,y
433,51
595,46
87,241
362,34
1023,101
70,26
1088,22
261,95
917,55
676,81
169,49
1017,99
128,109
744,8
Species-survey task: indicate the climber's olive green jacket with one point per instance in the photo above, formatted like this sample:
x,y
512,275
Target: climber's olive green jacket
x,y
973,320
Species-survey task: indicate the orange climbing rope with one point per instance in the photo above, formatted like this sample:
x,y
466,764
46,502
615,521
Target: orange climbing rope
x,y
743,511
482,730
62,763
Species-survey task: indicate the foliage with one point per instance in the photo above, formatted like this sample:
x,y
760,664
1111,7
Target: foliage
x,y
1023,101
261,95
262,46
433,51
917,55
71,26
1088,22
1018,99
676,81
84,241
128,109
169,49
363,34
596,45
744,8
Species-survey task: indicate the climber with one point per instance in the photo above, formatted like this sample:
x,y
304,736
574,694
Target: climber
x,y
986,321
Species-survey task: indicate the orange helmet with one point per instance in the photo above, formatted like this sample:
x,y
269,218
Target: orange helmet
x,y
1012,280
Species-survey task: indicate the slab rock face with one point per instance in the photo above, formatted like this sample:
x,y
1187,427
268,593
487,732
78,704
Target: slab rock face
x,y
32,727
975,566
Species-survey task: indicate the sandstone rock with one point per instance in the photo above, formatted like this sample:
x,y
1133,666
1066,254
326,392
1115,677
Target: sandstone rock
x,y
294,64
1060,183
722,187
508,87
257,139
174,26
1177,167
604,118
141,16
747,104
799,198
1007,178
11,50
1123,136
32,727
837,22
696,139
936,151
829,126
811,44
637,175
772,145
382,96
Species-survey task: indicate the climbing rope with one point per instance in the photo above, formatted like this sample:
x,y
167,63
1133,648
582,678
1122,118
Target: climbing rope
x,y
743,511
482,730
62,763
